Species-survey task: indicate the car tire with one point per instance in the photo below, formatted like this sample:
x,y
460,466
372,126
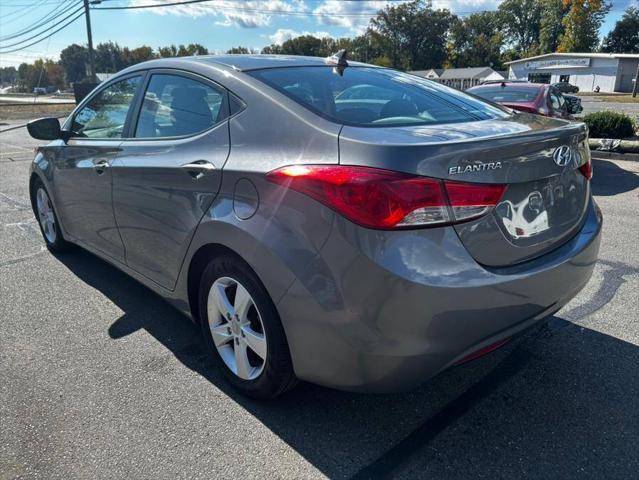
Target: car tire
x,y
242,329
47,219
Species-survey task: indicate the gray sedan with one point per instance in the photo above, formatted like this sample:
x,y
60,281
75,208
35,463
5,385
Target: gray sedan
x,y
323,220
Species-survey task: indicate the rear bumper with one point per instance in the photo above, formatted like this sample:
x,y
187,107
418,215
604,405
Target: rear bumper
x,y
384,311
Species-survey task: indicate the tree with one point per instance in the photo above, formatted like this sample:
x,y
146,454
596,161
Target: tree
x,y
581,25
238,50
624,37
412,35
55,74
8,75
108,58
74,60
137,55
521,23
552,28
475,41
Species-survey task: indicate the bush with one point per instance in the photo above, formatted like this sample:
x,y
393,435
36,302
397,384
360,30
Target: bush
x,y
609,125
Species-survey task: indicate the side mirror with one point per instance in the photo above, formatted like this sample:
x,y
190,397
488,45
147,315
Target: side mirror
x,y
45,129
574,108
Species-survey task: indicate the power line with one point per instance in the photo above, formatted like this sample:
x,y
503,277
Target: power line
x,y
49,17
240,9
50,35
43,31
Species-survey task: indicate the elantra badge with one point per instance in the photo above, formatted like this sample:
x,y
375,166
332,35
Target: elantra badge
x,y
563,156
477,167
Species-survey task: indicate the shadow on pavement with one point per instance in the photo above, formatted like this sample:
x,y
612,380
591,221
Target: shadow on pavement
x,y
610,179
561,402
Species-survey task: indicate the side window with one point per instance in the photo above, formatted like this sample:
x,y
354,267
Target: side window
x,y
174,106
105,114
554,99
562,101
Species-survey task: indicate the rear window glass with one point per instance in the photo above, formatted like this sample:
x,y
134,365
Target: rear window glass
x,y
366,96
506,94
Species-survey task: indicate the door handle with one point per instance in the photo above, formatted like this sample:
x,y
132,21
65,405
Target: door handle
x,y
100,166
199,168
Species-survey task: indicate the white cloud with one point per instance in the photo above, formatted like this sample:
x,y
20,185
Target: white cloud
x,y
284,34
246,14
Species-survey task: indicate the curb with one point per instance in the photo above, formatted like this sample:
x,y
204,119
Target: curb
x,y
600,155
613,145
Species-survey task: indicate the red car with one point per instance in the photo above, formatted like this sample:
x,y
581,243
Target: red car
x,y
538,98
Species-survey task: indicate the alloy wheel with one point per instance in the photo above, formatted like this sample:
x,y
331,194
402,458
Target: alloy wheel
x,y
236,328
45,215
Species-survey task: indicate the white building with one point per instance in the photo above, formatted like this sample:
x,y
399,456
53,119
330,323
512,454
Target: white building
x,y
460,78
611,72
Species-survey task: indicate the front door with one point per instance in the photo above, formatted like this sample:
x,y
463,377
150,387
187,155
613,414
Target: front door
x,y
168,173
83,180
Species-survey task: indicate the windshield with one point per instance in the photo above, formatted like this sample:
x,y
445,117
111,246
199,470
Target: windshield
x,y
366,96
506,94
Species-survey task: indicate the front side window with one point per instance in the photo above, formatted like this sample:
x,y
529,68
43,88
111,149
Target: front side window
x,y
105,114
370,97
555,100
175,106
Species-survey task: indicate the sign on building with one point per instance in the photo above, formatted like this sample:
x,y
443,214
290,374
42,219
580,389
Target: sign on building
x,y
558,63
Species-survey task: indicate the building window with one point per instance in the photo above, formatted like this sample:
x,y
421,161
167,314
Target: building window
x,y
564,78
539,77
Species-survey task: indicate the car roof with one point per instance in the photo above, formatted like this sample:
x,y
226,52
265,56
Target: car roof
x,y
245,62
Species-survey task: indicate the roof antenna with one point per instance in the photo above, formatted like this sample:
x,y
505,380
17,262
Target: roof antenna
x,y
339,60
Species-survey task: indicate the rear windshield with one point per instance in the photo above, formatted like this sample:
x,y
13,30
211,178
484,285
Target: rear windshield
x,y
506,94
366,96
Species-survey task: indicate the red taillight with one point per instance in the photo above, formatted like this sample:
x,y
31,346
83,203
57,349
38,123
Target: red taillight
x,y
384,199
586,169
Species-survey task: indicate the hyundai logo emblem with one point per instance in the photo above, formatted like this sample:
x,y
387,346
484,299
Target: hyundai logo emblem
x,y
563,156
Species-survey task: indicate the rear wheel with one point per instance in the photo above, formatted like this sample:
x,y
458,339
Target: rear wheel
x,y
242,329
47,219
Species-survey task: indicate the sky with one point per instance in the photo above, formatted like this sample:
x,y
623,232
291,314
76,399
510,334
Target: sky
x,y
218,24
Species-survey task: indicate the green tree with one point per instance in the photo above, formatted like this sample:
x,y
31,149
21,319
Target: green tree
x,y
552,28
108,58
304,45
624,37
412,35
238,50
8,75
166,52
581,25
521,23
74,60
476,41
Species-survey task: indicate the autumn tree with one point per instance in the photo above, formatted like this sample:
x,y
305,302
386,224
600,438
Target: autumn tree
x,y
581,25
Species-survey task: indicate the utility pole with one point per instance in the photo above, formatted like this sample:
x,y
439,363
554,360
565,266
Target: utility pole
x,y
89,36
635,87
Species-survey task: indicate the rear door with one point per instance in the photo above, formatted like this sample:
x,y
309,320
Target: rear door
x,y
169,171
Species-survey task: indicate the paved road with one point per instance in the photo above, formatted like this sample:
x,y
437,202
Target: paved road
x,y
34,99
592,105
99,378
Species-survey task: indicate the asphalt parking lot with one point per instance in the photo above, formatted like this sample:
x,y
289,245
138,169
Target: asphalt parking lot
x,y
99,378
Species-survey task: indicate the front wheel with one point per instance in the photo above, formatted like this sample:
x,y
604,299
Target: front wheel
x,y
242,329
47,219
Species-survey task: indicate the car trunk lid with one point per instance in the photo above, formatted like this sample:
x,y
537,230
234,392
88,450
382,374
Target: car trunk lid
x,y
545,201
